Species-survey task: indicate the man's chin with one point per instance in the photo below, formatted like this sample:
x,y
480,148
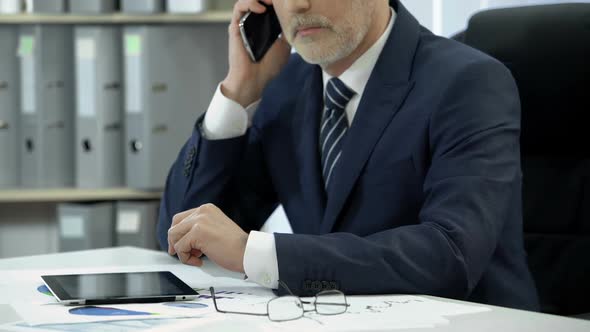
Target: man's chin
x,y
311,59
316,58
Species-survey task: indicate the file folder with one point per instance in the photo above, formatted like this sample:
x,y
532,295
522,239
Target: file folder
x,y
187,6
136,224
86,226
92,6
10,6
46,104
46,6
142,6
9,153
99,107
171,73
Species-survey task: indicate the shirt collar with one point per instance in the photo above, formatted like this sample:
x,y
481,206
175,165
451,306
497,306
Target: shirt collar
x,y
357,76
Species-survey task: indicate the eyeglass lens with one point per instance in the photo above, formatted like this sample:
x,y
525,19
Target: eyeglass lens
x,y
285,308
330,303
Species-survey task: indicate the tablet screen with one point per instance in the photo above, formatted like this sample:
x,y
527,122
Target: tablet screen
x,y
117,285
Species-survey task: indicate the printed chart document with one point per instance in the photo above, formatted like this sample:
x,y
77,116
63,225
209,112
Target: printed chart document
x,y
39,311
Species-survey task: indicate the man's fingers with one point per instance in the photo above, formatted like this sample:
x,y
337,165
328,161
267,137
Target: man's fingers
x,y
182,256
243,6
251,5
176,233
181,227
182,215
184,247
194,261
189,245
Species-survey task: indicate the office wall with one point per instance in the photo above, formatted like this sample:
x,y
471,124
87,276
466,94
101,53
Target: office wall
x,y
448,17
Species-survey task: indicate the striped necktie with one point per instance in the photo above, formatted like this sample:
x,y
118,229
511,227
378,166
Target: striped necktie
x,y
334,126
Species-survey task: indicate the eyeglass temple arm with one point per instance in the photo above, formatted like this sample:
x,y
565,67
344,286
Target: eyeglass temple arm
x,y
284,285
322,303
212,290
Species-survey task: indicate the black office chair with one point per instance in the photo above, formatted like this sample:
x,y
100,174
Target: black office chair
x,y
547,48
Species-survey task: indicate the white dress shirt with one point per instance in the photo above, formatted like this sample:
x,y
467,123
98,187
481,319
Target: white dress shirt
x,y
227,119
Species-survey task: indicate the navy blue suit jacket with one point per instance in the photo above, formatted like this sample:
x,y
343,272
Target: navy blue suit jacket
x,y
426,197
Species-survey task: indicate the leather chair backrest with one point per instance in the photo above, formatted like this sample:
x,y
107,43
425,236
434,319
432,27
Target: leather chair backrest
x,y
547,48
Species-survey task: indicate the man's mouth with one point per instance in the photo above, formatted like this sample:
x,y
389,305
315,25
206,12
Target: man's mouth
x,y
308,31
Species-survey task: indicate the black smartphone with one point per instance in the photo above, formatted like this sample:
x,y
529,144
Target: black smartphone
x,y
259,32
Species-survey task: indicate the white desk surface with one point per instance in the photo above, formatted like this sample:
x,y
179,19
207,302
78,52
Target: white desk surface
x,y
497,320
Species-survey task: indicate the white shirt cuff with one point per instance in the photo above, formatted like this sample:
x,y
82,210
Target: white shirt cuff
x,y
260,260
227,119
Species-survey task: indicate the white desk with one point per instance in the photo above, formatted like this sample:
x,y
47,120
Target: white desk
x,y
498,319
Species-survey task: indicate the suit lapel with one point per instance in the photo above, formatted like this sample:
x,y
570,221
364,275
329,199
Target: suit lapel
x,y
309,108
384,95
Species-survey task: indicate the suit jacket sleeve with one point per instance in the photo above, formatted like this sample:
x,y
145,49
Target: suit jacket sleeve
x,y
219,172
469,188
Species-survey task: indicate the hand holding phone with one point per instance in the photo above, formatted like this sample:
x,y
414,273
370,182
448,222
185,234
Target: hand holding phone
x,y
259,32
250,73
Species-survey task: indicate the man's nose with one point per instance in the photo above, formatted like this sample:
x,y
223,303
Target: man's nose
x,y
297,6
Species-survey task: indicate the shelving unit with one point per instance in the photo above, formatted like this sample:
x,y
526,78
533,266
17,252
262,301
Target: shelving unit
x,y
27,216
74,195
206,17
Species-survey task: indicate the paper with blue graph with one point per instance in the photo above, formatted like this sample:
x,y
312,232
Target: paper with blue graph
x,y
39,298
40,312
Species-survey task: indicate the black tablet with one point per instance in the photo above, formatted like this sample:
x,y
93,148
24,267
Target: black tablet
x,y
109,288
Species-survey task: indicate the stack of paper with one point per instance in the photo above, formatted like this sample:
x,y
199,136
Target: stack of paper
x,y
25,291
39,310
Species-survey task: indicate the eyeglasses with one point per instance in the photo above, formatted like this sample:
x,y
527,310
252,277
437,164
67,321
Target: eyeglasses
x,y
290,307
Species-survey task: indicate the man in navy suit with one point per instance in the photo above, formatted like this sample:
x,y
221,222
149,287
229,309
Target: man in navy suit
x,y
394,152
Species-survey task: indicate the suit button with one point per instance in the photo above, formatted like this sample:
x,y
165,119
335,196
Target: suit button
x,y
266,279
191,152
316,286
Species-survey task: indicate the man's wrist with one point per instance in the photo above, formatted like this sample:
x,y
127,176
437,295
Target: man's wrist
x,y
224,118
260,259
243,251
245,96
